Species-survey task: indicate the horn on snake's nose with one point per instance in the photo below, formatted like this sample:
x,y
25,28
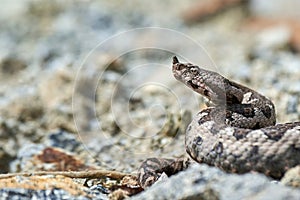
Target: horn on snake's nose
x,y
175,60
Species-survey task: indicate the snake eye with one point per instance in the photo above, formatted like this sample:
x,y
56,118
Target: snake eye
x,y
194,70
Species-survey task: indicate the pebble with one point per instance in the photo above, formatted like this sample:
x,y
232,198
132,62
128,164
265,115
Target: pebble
x,y
292,104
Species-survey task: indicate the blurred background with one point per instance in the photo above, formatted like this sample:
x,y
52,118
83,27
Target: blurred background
x,y
93,78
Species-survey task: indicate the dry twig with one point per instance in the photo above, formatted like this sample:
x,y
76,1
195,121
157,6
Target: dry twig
x,y
71,174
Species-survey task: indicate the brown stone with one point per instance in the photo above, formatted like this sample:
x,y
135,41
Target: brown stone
x,y
206,8
259,24
59,160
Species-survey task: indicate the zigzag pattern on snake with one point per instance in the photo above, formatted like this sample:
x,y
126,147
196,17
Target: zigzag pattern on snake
x,y
237,134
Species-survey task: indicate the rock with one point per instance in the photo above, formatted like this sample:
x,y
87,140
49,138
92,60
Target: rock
x,y
56,87
10,66
203,9
5,160
275,9
44,187
292,177
273,38
21,103
64,140
256,24
204,182
292,104
13,135
60,151
55,159
28,194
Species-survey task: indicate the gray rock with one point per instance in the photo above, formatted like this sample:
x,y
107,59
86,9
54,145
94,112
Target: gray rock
x,y
203,182
27,194
273,39
64,140
292,177
275,9
292,104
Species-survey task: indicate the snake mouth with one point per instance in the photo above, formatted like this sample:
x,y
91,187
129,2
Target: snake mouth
x,y
200,88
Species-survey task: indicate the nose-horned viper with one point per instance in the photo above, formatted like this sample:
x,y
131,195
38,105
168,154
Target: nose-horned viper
x,y
238,134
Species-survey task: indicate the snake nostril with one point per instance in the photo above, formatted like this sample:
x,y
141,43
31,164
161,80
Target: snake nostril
x,y
205,92
180,66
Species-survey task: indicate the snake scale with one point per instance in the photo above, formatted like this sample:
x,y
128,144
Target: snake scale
x,y
237,134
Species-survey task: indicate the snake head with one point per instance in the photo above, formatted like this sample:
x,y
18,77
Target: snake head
x,y
207,83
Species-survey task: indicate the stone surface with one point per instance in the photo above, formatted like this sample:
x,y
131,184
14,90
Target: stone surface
x,y
44,187
275,8
27,194
203,182
292,177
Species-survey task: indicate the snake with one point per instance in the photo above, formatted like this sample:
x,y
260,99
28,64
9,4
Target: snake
x,y
236,133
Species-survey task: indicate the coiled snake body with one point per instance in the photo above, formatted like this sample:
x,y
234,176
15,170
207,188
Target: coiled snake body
x,y
237,135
